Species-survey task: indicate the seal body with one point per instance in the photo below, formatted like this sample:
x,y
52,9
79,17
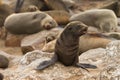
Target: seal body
x,y
29,22
103,19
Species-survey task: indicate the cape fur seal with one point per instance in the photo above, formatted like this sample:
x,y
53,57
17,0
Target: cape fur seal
x,y
67,47
104,20
29,22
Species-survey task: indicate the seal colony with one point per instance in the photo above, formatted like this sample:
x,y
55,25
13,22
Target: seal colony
x,y
29,22
67,47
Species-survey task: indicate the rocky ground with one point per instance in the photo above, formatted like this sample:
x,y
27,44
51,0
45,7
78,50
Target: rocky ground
x,y
22,66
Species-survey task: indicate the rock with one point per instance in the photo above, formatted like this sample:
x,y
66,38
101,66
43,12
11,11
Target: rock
x,y
4,62
29,57
13,40
6,58
112,61
25,70
49,47
113,49
38,40
96,59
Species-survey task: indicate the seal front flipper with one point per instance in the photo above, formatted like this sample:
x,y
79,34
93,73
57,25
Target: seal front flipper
x,y
84,66
46,64
18,6
88,65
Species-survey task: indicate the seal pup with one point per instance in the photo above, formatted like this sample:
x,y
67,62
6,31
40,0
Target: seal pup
x,y
67,47
29,22
104,20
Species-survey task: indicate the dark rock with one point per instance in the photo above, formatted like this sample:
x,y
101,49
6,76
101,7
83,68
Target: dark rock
x,y
4,62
